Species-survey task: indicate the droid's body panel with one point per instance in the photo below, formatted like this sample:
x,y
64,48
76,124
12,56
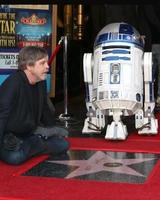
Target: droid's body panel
x,y
114,75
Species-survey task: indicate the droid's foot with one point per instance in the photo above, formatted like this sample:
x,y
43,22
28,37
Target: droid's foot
x,y
116,131
90,127
150,127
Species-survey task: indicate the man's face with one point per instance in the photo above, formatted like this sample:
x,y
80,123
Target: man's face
x,y
40,69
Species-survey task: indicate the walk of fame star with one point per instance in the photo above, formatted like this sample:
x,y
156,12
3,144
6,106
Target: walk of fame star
x,y
102,161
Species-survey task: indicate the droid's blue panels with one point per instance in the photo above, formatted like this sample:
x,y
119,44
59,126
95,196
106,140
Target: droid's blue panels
x,y
121,32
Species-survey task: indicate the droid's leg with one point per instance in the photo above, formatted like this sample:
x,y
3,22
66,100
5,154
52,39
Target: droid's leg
x,y
95,120
146,122
116,130
145,119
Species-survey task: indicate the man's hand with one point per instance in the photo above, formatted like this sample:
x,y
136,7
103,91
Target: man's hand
x,y
47,132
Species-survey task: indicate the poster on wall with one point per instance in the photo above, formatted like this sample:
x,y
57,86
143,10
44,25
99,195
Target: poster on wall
x,y
33,29
20,28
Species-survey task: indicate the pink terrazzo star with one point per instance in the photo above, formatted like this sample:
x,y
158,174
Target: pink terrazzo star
x,y
101,161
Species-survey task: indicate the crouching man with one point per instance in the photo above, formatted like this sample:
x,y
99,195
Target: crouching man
x,y
27,126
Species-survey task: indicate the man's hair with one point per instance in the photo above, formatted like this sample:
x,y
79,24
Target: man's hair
x,y
29,55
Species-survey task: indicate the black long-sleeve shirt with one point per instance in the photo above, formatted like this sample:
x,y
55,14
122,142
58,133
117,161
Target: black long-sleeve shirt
x,y
23,106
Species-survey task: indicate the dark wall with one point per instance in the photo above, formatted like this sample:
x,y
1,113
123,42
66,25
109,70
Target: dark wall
x,y
145,18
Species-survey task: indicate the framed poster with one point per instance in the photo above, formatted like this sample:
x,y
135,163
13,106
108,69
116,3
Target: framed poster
x,y
25,25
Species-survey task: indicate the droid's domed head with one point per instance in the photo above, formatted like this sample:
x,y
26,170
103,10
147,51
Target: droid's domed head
x,y
119,32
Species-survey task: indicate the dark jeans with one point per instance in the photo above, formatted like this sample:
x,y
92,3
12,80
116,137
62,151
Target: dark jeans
x,y
31,146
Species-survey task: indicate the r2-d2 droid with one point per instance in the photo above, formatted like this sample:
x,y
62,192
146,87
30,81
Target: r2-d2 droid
x,y
118,79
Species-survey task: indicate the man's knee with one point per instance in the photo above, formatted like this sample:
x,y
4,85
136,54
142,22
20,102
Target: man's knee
x,y
13,157
57,145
